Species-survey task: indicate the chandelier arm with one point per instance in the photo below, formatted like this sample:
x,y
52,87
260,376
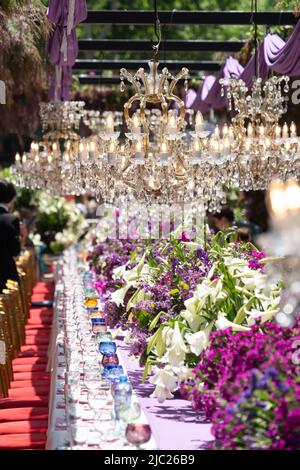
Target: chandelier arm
x,y
183,73
127,106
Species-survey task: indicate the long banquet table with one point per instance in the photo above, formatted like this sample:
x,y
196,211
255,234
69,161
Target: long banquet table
x,y
174,423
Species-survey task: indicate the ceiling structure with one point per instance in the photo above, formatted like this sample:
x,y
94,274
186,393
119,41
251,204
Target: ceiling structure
x,y
116,47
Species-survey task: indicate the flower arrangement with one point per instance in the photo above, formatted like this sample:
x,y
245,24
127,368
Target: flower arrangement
x,y
59,223
247,385
172,297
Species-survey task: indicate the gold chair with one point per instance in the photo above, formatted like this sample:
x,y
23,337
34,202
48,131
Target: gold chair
x,y
10,306
6,371
19,309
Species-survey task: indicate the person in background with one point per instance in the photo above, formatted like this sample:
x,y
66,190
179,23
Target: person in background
x,y
224,220
10,245
221,220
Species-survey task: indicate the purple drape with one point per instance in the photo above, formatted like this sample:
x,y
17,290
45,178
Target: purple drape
x,y
200,104
62,43
273,53
284,58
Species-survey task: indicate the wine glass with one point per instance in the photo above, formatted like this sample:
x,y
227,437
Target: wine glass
x,y
97,399
79,434
138,434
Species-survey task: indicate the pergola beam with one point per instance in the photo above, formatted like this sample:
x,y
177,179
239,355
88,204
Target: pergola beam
x,y
99,80
98,65
188,17
125,45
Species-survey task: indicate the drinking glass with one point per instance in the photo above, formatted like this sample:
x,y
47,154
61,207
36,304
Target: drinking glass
x,y
138,434
107,347
112,372
79,434
97,399
110,359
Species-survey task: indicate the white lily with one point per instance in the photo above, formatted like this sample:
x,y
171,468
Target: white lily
x,y
166,382
198,341
175,354
118,296
222,323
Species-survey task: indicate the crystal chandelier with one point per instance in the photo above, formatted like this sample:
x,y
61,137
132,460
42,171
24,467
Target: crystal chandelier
x,y
159,160
258,149
55,162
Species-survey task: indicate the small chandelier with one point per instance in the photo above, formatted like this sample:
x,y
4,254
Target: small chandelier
x,y
52,163
258,149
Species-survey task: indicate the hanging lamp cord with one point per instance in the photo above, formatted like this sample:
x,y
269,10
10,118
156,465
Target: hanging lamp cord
x,y
253,20
157,31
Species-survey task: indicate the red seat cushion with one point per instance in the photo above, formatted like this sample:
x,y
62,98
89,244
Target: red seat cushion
x,y
34,348
37,340
32,354
24,427
28,392
41,321
41,297
25,366
28,383
23,414
23,441
33,401
30,360
28,367
36,329
30,375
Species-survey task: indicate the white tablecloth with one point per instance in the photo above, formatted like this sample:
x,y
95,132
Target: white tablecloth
x,y
58,435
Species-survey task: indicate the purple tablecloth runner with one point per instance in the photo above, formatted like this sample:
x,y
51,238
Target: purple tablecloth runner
x,y
174,423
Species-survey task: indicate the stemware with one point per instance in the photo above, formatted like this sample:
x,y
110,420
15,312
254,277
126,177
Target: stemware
x,y
97,399
111,359
107,347
111,372
138,434
79,434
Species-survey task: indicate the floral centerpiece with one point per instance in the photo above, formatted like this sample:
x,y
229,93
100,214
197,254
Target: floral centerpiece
x,y
173,296
247,384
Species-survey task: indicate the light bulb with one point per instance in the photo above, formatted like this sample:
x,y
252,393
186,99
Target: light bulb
x,y
293,130
217,132
24,158
66,158
49,159
54,147
81,147
32,147
111,147
110,123
285,131
278,131
138,146
196,146
17,158
172,121
198,122
36,159
225,130
163,147
261,130
247,145
250,130
92,146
